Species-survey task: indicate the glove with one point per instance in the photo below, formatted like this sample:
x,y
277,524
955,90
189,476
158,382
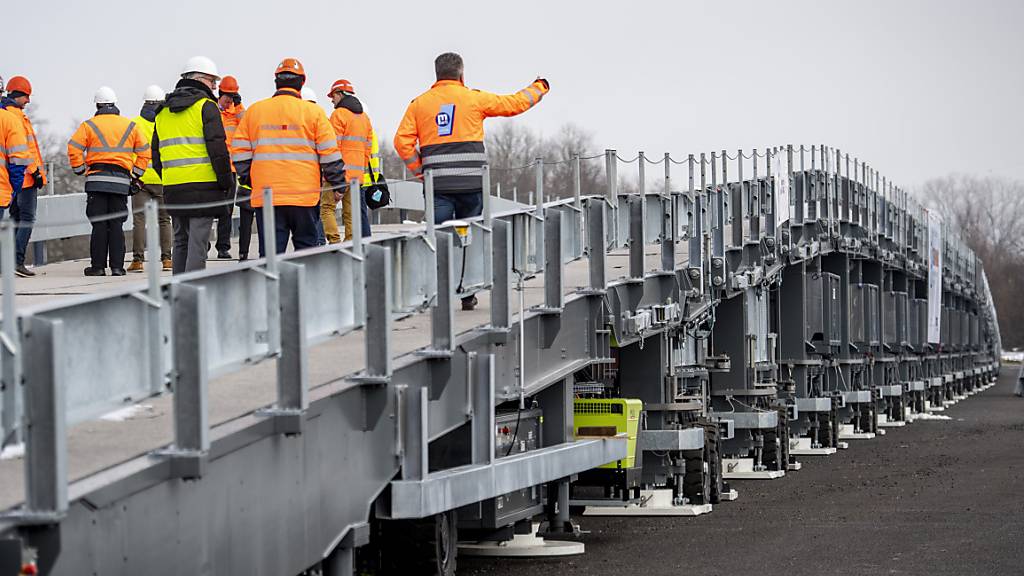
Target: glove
x,y
37,179
136,185
544,81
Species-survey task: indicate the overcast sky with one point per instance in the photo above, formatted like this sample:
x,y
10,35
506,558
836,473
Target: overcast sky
x,y
918,88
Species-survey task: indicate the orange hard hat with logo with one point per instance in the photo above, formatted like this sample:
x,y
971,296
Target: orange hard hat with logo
x,y
229,85
19,84
290,66
342,85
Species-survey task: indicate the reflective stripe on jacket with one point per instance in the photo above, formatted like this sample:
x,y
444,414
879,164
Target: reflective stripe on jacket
x,y
231,116
13,151
146,129
283,143
183,154
354,139
447,122
108,139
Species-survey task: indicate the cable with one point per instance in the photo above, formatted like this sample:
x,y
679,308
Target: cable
x,y
621,159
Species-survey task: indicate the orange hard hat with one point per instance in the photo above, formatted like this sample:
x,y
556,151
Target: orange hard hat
x,y
229,85
290,66
19,84
343,85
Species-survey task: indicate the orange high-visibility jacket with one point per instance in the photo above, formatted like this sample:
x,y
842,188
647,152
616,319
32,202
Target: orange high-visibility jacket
x,y
283,143
448,123
108,139
33,149
231,116
355,133
13,150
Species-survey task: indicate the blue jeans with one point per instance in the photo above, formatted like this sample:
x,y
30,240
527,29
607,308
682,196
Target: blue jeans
x,y
458,205
23,211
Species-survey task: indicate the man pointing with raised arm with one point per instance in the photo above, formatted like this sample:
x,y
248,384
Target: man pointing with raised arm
x,y
447,122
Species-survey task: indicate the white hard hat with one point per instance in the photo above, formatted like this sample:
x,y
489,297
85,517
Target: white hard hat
x,y
201,64
308,94
154,93
105,95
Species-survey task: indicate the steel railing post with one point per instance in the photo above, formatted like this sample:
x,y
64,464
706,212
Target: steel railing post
x,y
377,287
553,294
596,244
46,453
612,191
487,253
355,206
273,288
156,329
428,217
10,358
191,361
501,284
669,218
539,214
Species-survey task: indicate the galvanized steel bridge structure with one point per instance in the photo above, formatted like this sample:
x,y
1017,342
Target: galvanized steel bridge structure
x,y
299,401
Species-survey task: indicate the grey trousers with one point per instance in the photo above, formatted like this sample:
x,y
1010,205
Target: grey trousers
x,y
149,192
191,243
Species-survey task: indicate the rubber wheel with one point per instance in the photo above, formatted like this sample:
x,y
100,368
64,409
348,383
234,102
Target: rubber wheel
x,y
824,431
714,460
783,435
696,481
428,546
770,456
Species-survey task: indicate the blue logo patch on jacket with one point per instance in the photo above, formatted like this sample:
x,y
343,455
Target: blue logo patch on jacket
x,y
445,120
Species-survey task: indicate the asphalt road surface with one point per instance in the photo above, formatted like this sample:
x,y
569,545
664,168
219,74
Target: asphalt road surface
x,y
932,498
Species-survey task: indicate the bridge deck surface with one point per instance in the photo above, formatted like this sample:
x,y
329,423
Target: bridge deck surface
x,y
147,425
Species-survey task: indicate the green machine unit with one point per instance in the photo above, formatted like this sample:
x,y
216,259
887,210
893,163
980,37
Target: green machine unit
x,y
608,417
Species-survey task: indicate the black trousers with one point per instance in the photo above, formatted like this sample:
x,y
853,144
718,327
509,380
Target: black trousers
x,y
246,214
297,223
107,241
224,231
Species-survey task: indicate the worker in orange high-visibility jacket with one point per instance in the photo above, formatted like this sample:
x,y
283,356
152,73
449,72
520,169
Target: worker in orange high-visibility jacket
x,y
14,157
285,143
355,135
447,122
23,210
111,152
231,112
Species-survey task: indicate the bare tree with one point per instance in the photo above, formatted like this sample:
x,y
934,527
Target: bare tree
x,y
989,212
53,146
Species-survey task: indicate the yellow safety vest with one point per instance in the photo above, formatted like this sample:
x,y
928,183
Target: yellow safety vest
x,y
374,166
146,129
183,154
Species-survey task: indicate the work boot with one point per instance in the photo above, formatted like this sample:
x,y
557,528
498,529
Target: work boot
x,y
117,272
469,303
90,271
243,257
24,272
224,255
168,266
136,266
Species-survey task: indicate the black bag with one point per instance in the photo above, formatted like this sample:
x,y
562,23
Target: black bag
x,y
376,194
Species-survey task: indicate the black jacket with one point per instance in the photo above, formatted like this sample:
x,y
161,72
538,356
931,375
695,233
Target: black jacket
x,y
350,103
185,94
